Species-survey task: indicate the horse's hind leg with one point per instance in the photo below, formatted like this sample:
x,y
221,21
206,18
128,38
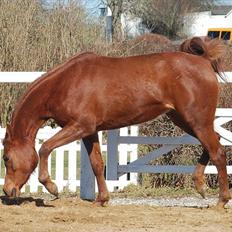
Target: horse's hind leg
x,y
198,175
212,149
210,141
93,148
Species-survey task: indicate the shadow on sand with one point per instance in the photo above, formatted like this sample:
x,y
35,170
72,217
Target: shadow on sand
x,y
24,200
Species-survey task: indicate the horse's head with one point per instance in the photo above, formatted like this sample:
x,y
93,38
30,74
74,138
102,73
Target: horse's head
x,y
20,159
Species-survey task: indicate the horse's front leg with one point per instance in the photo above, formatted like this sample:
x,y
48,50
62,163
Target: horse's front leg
x,y
67,135
44,177
93,148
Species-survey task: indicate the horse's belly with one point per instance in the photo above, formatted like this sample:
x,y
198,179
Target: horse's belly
x,y
121,119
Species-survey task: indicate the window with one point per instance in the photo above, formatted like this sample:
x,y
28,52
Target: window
x,y
225,35
213,34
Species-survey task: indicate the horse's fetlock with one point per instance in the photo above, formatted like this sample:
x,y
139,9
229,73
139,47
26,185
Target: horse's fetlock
x,y
43,179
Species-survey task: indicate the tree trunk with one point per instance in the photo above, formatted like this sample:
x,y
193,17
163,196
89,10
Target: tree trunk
x,y
116,8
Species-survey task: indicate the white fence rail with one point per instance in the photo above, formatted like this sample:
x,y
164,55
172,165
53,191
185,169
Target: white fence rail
x,y
27,77
64,162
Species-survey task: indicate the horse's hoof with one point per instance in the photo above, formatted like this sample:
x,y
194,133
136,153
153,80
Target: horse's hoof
x,y
202,191
223,201
56,198
102,199
200,186
100,203
52,188
220,207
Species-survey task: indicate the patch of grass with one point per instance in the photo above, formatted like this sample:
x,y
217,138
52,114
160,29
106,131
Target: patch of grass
x,y
137,191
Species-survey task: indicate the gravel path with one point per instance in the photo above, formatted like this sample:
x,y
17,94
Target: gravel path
x,y
192,202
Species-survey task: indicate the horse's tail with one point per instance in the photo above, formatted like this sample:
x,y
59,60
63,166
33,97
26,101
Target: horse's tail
x,y
211,49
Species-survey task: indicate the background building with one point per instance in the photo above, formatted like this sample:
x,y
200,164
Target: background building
x,y
197,24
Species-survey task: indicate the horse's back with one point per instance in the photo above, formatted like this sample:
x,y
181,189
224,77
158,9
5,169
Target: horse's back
x,y
155,75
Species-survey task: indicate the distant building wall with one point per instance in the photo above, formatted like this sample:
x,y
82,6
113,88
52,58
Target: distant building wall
x,y
197,24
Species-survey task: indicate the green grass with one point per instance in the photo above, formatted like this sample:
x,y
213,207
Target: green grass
x,y
137,191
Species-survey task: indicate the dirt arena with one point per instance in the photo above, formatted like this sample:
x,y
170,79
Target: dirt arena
x,y
72,214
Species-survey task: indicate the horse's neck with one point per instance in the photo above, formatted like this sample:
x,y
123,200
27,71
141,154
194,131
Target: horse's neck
x,y
30,112
25,124
24,127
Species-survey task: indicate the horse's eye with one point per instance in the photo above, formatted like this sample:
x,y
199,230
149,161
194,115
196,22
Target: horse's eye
x,y
5,158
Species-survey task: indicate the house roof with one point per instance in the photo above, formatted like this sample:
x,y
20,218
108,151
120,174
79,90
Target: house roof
x,y
221,10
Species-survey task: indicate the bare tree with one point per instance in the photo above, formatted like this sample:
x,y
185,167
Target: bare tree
x,y
116,6
35,37
165,16
159,16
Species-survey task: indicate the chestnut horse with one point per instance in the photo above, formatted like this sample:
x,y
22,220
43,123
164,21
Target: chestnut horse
x,y
90,93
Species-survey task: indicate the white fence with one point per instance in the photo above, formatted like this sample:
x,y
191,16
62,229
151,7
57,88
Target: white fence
x,y
64,162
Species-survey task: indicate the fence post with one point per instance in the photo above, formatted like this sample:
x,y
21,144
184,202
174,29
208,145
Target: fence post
x,y
134,154
87,178
112,155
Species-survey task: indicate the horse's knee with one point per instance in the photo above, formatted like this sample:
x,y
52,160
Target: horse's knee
x,y
44,150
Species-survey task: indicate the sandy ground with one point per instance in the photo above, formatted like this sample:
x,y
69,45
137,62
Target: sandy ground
x,y
72,214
